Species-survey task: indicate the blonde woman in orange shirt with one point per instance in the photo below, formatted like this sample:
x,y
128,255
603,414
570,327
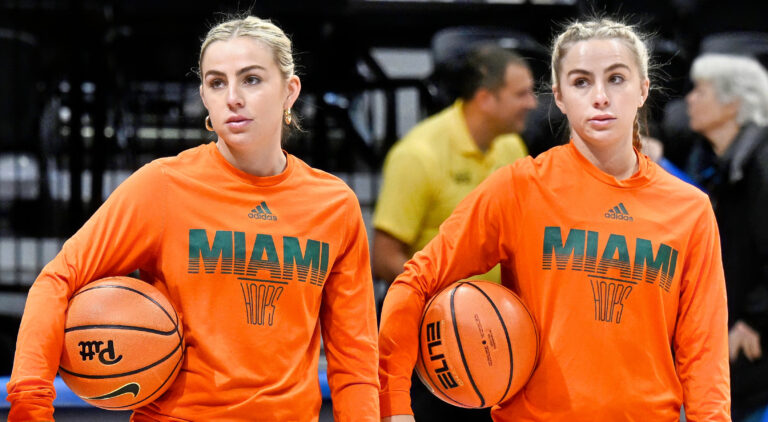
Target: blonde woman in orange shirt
x,y
618,261
260,254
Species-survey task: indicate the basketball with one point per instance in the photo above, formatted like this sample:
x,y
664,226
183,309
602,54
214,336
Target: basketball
x,y
478,344
123,343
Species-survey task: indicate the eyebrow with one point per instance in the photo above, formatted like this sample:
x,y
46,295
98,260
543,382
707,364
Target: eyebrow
x,y
608,69
239,72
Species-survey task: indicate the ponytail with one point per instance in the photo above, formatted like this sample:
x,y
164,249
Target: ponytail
x,y
636,138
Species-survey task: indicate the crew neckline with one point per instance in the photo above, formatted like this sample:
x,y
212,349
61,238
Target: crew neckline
x,y
642,176
250,178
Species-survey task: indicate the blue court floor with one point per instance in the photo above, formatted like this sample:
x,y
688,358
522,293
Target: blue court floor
x,y
92,414
70,408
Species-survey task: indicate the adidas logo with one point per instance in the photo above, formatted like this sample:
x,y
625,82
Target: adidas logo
x,y
262,212
619,212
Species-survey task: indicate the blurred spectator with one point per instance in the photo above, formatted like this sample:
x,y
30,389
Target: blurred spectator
x,y
438,163
654,149
729,106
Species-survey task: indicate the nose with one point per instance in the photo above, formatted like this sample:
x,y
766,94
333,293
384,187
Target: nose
x,y
689,99
234,97
601,97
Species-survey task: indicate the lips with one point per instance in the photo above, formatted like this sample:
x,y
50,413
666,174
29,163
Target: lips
x,y
235,119
601,120
602,117
237,122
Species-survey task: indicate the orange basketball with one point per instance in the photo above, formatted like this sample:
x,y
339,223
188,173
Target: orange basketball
x,y
123,343
478,344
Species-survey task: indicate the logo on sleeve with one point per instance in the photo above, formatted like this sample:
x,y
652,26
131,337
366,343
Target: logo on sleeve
x,y
619,212
262,212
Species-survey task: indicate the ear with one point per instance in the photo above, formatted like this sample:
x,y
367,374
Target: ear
x,y
558,98
645,87
485,100
732,108
293,87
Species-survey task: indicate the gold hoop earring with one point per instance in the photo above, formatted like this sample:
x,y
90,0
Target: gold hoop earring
x,y
208,123
288,117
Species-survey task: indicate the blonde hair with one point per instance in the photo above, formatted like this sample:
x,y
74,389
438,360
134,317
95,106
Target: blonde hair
x,y
604,29
259,29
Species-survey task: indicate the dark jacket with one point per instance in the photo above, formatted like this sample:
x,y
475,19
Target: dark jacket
x,y
739,194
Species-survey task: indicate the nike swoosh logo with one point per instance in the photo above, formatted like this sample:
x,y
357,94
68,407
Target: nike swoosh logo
x,y
131,388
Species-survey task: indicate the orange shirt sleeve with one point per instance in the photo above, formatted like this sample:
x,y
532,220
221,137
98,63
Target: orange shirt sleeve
x,y
468,244
348,321
116,240
701,337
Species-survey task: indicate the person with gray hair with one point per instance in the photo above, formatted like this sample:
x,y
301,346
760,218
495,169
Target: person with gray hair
x,y
729,107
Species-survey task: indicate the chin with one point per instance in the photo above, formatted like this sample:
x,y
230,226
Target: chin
x,y
603,138
237,139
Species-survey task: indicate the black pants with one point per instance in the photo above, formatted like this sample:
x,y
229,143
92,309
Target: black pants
x,y
428,408
749,385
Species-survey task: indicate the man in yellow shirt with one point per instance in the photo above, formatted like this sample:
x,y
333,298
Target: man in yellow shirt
x,y
447,155
428,172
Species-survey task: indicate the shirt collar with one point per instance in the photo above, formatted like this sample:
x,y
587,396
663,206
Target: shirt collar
x,y
643,175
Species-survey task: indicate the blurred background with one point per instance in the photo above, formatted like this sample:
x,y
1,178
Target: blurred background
x,y
91,90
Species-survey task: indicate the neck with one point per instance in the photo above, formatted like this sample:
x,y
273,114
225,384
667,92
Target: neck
x,y
721,137
481,132
618,159
263,162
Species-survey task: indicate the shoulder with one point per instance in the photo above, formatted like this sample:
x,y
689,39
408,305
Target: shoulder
x,y
673,190
320,183
553,161
511,140
761,153
431,132
415,152
188,158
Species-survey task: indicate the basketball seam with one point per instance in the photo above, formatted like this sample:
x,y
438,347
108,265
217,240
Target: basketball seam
x,y
123,374
506,334
131,289
181,358
121,327
535,331
421,357
176,328
461,349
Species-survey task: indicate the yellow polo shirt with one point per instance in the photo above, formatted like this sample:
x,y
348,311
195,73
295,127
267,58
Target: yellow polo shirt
x,y
430,170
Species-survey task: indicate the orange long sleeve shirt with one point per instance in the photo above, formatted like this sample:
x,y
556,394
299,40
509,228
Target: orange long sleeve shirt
x,y
259,269
624,279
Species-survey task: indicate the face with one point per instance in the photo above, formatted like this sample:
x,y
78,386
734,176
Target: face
x,y
509,105
705,110
600,89
244,92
